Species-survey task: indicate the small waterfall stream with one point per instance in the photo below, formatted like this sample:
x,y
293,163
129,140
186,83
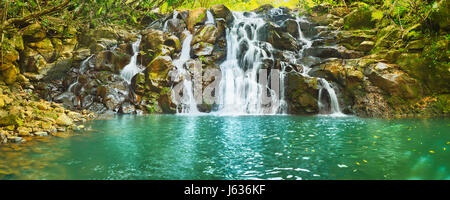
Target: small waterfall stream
x,y
239,90
209,18
81,70
132,69
188,104
323,83
174,16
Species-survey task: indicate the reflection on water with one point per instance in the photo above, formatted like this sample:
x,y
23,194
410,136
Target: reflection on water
x,y
238,147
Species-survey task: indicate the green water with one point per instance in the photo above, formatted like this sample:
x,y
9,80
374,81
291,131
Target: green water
x,y
242,147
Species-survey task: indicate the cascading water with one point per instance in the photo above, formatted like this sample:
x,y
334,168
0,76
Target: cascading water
x,y
239,90
334,104
174,16
323,84
188,104
132,68
81,70
209,18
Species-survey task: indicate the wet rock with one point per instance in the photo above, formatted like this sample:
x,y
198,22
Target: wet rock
x,y
41,133
301,93
207,33
176,26
323,52
220,11
280,39
15,139
159,68
173,42
263,8
152,43
195,17
203,49
127,108
291,26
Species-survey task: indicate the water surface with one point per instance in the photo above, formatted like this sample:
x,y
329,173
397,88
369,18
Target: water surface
x,y
238,147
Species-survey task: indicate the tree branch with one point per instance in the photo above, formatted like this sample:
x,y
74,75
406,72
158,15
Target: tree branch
x,y
34,15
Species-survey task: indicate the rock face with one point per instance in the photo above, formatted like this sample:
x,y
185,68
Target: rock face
x,y
302,93
376,69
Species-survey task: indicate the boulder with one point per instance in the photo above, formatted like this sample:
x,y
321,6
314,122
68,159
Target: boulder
x,y
263,8
64,120
221,11
291,26
207,33
366,46
280,39
195,17
34,33
203,49
127,108
44,48
359,19
159,68
9,73
393,81
175,26
152,44
301,93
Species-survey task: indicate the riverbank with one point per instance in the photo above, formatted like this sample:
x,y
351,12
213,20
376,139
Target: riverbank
x,y
23,116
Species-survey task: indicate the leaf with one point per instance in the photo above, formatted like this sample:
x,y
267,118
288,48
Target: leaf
x,y
100,10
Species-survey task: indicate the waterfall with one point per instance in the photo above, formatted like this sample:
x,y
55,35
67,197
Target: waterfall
x,y
306,41
188,104
239,90
132,69
174,16
81,70
209,18
323,84
334,104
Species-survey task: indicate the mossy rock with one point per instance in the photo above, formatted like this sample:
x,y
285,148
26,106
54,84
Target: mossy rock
x,y
221,11
9,75
440,14
34,33
195,16
361,18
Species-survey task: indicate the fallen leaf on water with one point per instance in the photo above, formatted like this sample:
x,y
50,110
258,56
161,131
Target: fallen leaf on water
x,y
365,161
342,166
431,151
358,163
